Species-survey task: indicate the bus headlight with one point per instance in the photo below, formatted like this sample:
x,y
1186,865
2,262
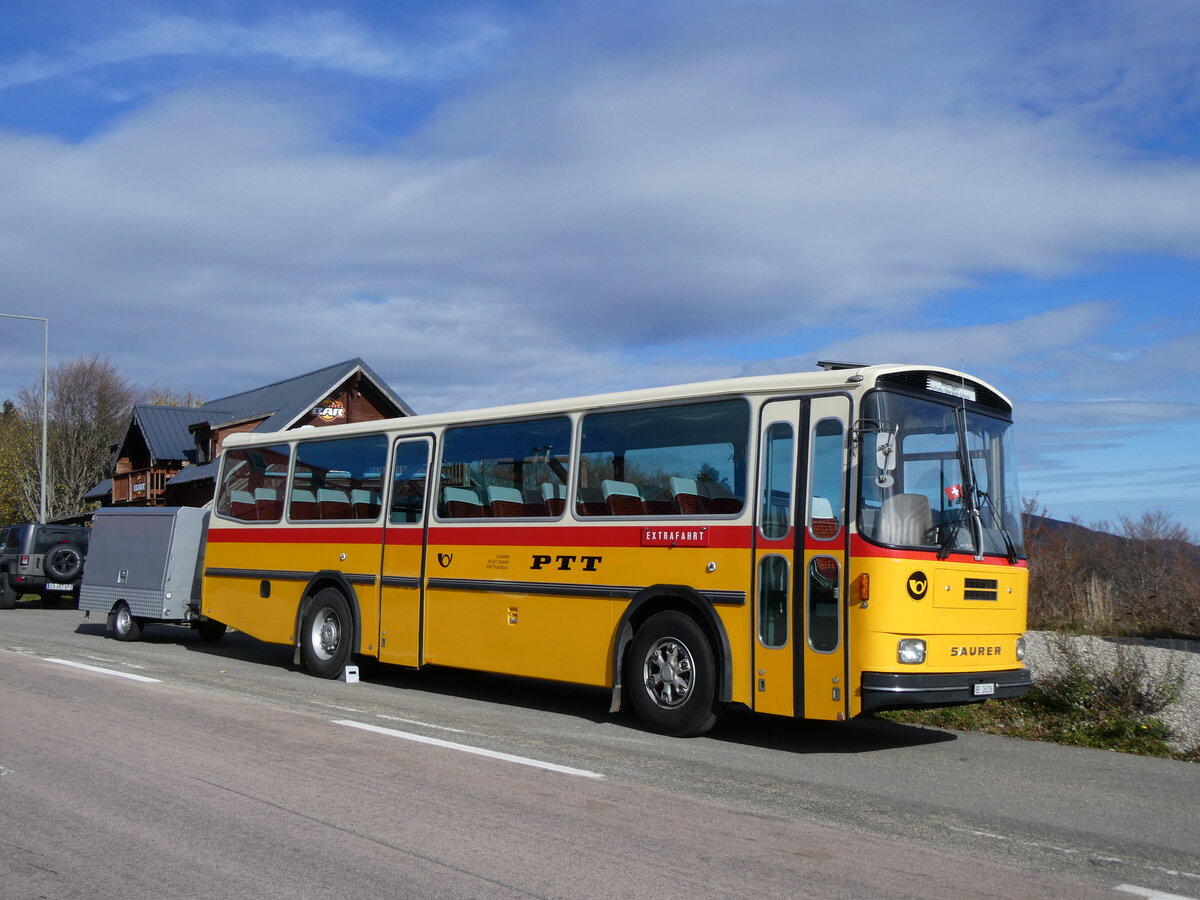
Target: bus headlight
x,y
911,651
1020,649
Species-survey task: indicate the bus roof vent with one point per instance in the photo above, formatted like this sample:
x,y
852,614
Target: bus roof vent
x,y
830,365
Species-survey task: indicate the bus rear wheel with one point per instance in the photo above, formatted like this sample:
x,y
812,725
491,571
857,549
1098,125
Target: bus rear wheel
x,y
326,634
672,677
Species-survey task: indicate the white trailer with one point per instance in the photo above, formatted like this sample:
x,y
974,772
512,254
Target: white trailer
x,y
145,565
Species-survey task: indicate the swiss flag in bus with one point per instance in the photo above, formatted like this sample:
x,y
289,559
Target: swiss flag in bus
x,y
954,492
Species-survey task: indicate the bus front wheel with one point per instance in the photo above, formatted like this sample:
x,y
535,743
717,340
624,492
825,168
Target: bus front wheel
x,y
326,634
672,675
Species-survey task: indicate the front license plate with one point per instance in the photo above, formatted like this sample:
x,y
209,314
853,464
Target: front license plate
x,y
984,690
56,586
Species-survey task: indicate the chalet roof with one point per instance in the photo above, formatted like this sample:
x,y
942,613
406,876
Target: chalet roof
x,y
286,401
196,473
165,428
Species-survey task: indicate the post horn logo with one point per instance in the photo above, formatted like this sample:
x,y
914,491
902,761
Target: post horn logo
x,y
918,585
444,559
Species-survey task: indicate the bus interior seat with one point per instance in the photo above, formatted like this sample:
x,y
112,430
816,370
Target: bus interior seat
x,y
505,502
686,495
823,522
303,504
905,519
656,501
266,500
718,498
555,498
366,503
622,498
333,503
462,503
590,502
242,505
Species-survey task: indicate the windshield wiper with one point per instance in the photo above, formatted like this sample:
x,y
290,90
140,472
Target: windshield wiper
x,y
1009,547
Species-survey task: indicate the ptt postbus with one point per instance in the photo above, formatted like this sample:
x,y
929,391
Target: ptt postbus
x,y
820,545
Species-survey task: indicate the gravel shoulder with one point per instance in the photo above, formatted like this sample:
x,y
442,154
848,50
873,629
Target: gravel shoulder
x,y
1158,659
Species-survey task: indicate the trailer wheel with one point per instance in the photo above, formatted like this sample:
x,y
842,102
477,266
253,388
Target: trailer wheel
x,y
122,624
210,630
326,634
672,675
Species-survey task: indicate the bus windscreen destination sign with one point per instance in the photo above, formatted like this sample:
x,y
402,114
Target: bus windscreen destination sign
x,y
942,386
675,537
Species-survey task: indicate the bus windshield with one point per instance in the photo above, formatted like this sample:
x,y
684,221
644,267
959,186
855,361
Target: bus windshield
x,y
937,476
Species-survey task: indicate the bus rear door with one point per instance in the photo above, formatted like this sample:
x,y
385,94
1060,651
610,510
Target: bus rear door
x,y
402,577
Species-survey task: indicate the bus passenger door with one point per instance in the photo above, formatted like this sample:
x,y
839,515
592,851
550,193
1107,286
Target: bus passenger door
x,y
799,619
775,657
400,595
821,639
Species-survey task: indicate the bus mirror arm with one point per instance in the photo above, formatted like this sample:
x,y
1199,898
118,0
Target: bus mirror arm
x,y
885,446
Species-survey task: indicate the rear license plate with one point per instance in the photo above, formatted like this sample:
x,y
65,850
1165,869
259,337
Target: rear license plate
x,y
56,586
984,690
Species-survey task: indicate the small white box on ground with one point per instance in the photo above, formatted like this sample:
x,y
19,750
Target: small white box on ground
x,y
350,674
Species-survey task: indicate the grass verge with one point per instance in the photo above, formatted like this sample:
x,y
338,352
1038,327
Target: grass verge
x,y
1112,705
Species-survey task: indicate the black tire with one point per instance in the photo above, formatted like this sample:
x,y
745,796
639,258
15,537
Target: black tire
x,y
62,563
210,630
122,624
672,675
326,634
8,597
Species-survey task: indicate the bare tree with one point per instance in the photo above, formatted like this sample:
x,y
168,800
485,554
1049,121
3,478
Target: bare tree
x,y
89,405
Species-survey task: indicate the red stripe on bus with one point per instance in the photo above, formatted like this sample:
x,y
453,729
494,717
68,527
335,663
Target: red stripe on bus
x,y
862,548
728,537
329,534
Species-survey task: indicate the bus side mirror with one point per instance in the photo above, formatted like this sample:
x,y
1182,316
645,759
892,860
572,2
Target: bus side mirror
x,y
885,457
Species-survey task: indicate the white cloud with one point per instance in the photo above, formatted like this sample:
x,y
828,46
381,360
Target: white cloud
x,y
324,40
608,206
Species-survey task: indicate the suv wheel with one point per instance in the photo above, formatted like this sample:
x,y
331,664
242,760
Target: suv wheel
x,y
8,597
63,563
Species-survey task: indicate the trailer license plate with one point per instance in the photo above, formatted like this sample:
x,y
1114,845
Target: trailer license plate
x,y
57,586
985,690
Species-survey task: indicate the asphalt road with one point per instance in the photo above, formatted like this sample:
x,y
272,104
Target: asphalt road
x,y
218,770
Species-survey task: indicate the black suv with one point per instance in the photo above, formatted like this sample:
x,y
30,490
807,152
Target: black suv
x,y
46,560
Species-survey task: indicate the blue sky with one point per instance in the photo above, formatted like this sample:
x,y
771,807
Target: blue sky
x,y
508,201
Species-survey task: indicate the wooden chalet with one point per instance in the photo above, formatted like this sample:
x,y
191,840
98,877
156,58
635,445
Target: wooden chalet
x,y
168,455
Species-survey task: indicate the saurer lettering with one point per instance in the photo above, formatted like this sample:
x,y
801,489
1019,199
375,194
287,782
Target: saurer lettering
x,y
974,651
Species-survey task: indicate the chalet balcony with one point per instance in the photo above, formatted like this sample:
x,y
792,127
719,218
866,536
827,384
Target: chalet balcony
x,y
141,487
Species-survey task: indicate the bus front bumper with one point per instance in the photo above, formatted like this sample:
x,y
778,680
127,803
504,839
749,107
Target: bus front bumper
x,y
896,690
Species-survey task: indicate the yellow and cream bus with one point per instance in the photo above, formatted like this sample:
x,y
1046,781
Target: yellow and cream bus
x,y
819,545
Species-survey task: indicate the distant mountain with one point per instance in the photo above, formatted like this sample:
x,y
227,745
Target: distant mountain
x,y
1043,525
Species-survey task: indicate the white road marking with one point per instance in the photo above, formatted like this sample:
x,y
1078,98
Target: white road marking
x,y
102,671
1149,893
419,722
465,748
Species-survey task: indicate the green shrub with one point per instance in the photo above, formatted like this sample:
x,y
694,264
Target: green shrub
x,y
1079,702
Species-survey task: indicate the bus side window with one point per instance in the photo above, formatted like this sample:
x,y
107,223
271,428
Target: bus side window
x,y
505,470
676,460
825,505
408,482
251,481
776,512
338,479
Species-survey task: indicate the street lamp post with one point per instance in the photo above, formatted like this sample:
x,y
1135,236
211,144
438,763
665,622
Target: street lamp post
x,y
45,404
